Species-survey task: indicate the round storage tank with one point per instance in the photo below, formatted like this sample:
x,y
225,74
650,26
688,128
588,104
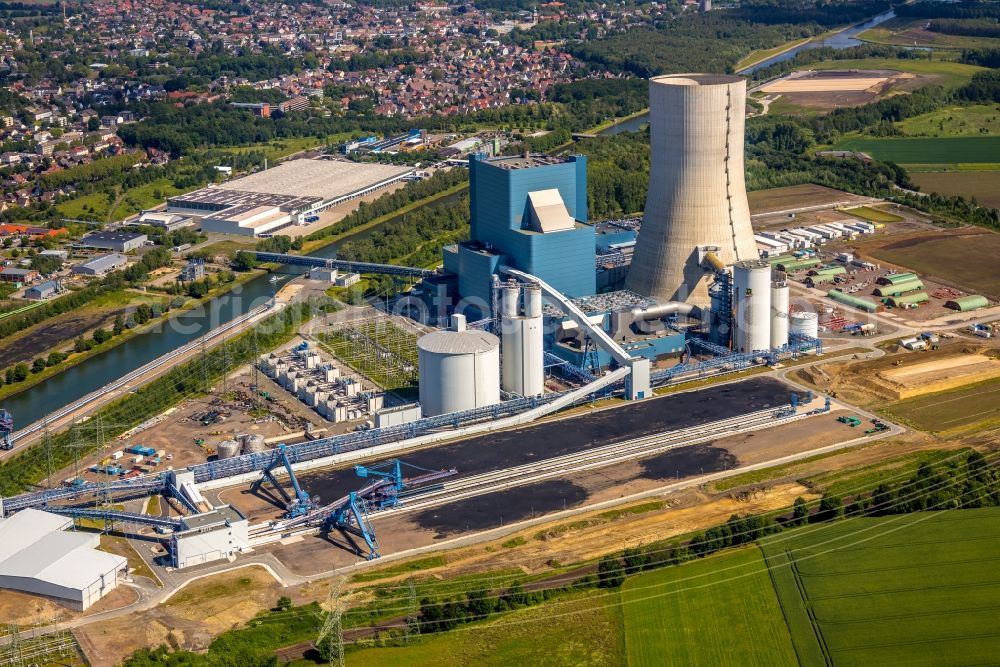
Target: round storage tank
x,y
255,443
779,316
804,324
459,370
752,294
228,449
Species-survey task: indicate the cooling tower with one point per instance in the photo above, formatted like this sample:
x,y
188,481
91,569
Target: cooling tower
x,y
697,195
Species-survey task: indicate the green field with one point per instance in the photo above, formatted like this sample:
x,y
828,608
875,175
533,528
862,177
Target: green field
x,y
582,630
955,121
954,409
717,611
983,186
927,150
917,589
872,214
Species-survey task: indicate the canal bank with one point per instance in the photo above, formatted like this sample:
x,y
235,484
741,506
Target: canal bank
x,y
31,404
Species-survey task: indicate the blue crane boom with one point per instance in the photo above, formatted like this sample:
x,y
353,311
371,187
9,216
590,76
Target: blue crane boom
x,y
301,503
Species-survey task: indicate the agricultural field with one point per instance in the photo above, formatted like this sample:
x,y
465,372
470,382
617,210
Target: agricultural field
x,y
983,186
958,409
955,121
873,214
794,196
718,611
916,589
911,32
966,257
585,629
927,150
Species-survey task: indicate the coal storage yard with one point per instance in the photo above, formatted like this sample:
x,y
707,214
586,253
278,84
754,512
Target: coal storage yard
x,y
497,451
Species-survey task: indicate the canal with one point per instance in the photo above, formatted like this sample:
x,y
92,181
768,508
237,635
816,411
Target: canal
x,y
32,404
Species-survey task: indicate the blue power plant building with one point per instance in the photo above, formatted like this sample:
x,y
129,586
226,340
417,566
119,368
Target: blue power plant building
x,y
528,212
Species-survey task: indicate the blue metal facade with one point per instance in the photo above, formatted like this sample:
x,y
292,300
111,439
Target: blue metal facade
x,y
499,209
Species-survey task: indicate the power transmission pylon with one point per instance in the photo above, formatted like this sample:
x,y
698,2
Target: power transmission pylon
x,y
332,631
412,611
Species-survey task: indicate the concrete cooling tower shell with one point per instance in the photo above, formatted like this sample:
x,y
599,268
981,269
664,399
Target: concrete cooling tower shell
x,y
697,193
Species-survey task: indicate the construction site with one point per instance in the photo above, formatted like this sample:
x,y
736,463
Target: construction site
x,y
727,340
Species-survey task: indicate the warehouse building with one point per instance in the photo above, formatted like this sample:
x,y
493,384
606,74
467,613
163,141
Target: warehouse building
x,y
41,291
269,201
166,221
114,241
217,535
38,556
967,303
102,265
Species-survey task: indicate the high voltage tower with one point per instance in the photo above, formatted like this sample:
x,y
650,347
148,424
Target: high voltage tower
x,y
332,632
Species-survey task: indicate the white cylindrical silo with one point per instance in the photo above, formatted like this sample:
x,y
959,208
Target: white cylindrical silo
x,y
804,324
510,293
697,190
752,316
459,370
779,315
532,301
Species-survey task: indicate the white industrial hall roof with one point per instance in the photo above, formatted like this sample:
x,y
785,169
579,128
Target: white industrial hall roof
x,y
327,179
33,545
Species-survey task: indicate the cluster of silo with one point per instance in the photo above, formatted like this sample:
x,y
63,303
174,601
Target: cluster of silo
x,y
522,345
244,443
459,370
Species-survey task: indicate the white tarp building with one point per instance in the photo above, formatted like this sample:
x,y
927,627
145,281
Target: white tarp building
x,y
37,556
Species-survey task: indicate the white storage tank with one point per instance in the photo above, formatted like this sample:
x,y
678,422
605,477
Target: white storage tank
x,y
255,444
228,449
779,315
522,337
804,324
752,295
459,370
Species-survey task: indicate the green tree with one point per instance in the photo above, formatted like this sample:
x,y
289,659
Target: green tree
x,y
284,603
831,507
101,336
38,365
55,358
244,261
21,371
610,573
800,512
118,327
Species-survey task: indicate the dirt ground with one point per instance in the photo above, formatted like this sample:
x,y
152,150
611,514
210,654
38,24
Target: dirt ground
x,y
188,620
825,91
859,381
180,427
795,196
27,610
963,258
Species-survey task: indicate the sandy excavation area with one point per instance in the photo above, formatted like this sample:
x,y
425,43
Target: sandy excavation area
x,y
940,374
815,84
